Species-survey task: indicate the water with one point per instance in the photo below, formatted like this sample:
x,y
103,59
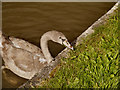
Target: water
x,y
30,20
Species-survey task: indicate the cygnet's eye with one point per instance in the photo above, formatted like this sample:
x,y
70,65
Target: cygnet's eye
x,y
60,38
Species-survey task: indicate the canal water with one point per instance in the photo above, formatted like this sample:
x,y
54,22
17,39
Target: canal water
x,y
30,21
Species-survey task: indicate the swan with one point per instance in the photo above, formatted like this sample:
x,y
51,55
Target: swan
x,y
25,59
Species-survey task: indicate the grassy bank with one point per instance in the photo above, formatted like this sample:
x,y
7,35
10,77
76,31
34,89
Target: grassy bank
x,y
94,63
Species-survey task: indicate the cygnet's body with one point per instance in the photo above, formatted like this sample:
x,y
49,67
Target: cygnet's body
x,y
26,59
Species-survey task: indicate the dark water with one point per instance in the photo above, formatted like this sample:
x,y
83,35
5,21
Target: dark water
x,y
30,20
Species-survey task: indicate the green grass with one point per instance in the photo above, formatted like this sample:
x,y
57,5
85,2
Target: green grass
x,y
93,64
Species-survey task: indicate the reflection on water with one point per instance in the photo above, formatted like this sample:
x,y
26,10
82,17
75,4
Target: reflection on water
x,y
11,80
30,20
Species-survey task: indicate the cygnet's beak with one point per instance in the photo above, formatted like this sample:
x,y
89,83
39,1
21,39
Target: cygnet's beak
x,y
71,47
68,45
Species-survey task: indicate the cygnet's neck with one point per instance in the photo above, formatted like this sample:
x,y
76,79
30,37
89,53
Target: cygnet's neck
x,y
44,46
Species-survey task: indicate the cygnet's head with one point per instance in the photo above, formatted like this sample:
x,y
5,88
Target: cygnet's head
x,y
60,38
65,42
